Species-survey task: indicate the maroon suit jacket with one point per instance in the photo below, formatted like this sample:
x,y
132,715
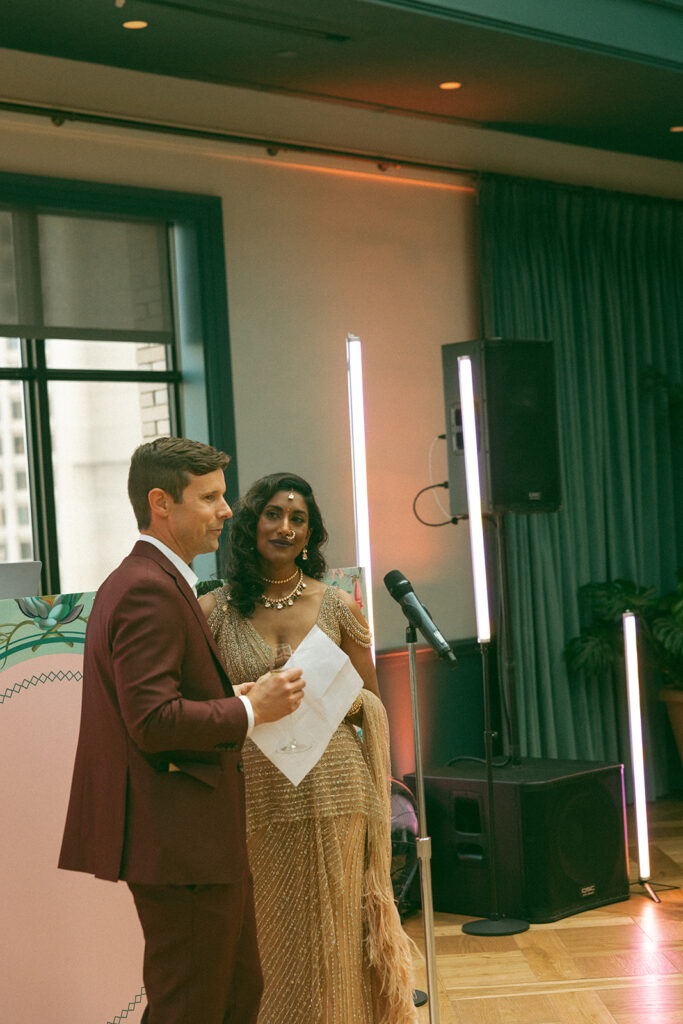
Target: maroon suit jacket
x,y
155,698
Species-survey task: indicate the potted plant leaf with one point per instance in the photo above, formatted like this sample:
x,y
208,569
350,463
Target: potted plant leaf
x,y
599,646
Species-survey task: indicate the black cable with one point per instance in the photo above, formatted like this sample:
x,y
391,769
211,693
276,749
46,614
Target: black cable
x,y
454,519
477,760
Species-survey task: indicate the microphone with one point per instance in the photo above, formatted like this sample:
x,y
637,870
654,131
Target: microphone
x,y
402,591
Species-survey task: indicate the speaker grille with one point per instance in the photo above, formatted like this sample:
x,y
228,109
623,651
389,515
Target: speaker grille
x,y
522,426
574,845
516,416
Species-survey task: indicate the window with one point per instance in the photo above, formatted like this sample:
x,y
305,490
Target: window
x,y
26,552
110,300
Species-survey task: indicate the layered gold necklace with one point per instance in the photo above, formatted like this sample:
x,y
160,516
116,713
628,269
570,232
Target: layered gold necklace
x,y
285,600
288,579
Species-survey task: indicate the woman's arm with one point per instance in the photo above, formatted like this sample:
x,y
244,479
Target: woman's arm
x,y
360,657
207,603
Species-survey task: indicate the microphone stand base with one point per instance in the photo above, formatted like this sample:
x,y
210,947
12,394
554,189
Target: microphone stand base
x,y
495,926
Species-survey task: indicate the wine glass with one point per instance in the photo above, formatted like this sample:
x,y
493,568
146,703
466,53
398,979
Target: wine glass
x,y
279,656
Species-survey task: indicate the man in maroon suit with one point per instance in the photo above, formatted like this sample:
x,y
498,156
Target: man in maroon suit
x,y
157,796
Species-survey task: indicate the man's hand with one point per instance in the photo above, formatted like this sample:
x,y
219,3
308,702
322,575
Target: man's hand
x,y
276,694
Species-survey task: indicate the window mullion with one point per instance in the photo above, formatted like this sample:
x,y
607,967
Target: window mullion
x,y
41,474
173,350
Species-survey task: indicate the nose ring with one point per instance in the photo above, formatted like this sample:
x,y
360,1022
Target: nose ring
x,y
291,535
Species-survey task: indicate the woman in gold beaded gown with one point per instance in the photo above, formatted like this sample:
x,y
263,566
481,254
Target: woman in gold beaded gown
x,y
332,947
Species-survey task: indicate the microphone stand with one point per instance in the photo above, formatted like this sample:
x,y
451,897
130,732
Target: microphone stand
x,y
424,843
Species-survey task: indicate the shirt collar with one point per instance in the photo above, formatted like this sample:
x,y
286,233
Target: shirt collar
x,y
183,568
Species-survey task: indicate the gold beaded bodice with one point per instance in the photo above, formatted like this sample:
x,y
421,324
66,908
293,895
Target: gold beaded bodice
x,y
339,783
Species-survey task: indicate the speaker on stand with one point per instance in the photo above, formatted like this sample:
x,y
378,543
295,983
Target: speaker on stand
x,y
494,424
515,397
519,459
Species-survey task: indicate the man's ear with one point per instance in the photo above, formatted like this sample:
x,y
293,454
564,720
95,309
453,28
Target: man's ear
x,y
159,502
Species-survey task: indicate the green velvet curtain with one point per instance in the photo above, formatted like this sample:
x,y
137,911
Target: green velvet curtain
x,y
601,275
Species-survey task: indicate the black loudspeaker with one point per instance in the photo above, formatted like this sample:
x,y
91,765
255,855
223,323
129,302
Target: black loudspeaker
x,y
516,418
560,836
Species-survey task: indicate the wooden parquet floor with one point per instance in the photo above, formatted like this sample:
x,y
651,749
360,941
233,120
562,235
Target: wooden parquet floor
x,y
619,964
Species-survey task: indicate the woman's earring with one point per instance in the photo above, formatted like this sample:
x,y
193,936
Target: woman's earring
x,y
304,554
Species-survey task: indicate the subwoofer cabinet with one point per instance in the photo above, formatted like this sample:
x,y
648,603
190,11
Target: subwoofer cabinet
x,y
560,837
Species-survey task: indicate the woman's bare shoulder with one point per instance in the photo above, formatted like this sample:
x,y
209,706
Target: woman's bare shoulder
x,y
207,602
314,586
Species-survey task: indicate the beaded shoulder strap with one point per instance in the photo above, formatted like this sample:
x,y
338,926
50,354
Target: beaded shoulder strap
x,y
359,633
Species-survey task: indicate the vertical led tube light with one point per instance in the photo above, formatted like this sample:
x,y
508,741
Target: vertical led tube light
x,y
354,362
469,433
636,734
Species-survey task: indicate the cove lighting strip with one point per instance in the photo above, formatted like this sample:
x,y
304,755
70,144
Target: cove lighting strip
x,y
359,470
469,433
636,733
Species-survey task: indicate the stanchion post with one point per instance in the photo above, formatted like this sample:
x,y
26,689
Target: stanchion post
x,y
424,843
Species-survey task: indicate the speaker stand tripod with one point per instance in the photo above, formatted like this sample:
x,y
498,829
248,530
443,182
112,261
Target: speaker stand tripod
x,y
495,923
649,890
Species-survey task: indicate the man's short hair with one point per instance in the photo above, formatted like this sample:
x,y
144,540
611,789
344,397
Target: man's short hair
x,y
168,463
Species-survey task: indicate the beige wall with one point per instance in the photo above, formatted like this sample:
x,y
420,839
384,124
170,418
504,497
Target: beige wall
x,y
318,248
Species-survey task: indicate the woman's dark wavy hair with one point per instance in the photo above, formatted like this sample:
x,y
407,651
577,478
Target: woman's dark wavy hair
x,y
241,561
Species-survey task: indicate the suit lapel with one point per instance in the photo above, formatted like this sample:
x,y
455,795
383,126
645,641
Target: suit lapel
x,y
151,551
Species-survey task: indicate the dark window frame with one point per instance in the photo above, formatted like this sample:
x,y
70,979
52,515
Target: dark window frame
x,y
198,220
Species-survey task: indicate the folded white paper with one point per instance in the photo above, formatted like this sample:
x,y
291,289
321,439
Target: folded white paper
x,y
296,743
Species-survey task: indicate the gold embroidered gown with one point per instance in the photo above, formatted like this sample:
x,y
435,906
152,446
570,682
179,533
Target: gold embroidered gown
x,y
332,947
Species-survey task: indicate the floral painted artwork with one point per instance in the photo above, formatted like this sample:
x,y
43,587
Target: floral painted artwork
x,y
352,580
32,625
41,671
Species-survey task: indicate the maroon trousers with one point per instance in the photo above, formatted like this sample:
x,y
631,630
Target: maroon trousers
x,y
201,963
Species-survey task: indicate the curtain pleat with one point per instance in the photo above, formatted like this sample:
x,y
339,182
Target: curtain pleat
x,y
601,275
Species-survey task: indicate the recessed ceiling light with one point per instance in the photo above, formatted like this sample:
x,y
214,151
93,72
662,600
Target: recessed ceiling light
x,y
450,85
676,128
135,24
